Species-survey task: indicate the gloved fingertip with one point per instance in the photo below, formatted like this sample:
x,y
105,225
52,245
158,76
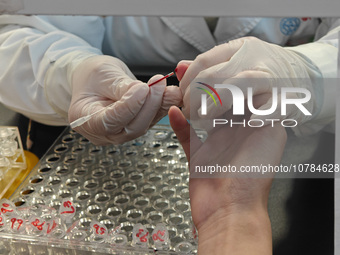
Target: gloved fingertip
x,y
142,88
156,80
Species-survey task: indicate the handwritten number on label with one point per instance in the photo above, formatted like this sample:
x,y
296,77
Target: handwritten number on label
x,y
49,227
20,222
156,236
4,210
68,204
99,230
36,222
142,238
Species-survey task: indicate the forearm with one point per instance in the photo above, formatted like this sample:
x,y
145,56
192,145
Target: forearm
x,y
27,54
321,61
238,234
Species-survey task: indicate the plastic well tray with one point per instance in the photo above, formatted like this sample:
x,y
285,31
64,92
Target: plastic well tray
x,y
141,183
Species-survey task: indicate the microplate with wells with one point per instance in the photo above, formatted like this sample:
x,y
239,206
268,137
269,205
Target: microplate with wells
x,y
117,199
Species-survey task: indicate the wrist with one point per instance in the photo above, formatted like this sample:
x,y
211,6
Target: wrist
x,y
236,233
320,58
58,85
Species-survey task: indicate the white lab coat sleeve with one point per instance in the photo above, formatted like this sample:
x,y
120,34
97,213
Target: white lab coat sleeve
x,y
34,63
322,54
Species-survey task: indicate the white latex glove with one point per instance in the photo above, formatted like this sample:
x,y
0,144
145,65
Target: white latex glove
x,y
249,62
102,80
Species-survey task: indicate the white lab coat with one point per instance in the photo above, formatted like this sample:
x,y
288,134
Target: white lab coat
x,y
30,45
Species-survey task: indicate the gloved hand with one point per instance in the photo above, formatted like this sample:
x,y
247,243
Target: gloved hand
x,y
99,81
249,62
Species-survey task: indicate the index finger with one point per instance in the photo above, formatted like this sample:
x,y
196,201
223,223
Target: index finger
x,y
216,55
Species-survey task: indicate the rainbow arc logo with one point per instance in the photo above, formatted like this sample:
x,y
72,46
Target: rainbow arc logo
x,y
208,92
204,96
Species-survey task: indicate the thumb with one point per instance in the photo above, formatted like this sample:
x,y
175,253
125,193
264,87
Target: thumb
x,y
141,123
123,111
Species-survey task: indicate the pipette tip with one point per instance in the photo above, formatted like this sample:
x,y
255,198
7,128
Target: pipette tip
x,y
164,77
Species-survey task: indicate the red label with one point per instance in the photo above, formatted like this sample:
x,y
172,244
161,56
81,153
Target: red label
x,y
157,237
68,204
142,238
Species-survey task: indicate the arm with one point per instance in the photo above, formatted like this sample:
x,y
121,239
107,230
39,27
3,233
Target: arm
x,y
323,53
63,78
243,62
30,46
